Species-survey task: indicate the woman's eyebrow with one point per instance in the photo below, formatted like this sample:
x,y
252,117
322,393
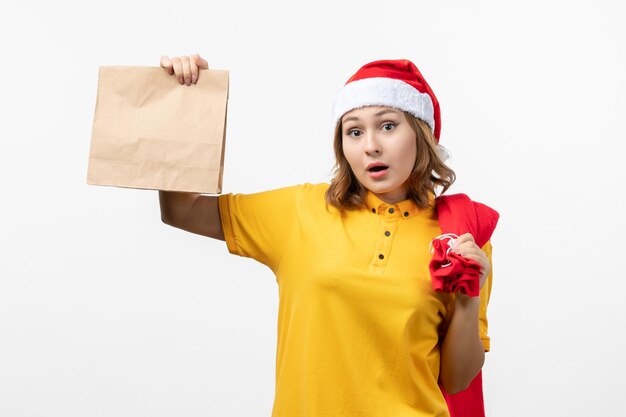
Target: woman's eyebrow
x,y
380,113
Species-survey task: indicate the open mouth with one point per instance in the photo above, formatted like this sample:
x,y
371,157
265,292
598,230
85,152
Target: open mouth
x,y
378,168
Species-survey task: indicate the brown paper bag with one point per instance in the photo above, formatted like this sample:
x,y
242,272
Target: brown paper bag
x,y
151,132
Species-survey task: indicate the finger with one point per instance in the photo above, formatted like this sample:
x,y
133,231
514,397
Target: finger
x,y
475,256
194,70
186,69
468,248
463,243
465,237
178,69
472,254
201,62
167,64
484,263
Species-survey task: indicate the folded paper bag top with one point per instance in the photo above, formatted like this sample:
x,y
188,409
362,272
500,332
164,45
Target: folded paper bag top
x,y
150,132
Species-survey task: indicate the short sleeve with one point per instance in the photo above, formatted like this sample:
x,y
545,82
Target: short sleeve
x,y
485,293
258,225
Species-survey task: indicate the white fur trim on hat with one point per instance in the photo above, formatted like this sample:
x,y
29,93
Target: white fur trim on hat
x,y
380,91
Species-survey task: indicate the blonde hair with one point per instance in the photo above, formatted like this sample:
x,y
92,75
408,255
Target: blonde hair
x,y
429,171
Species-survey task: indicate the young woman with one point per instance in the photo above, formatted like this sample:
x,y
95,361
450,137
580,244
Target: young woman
x,y
361,332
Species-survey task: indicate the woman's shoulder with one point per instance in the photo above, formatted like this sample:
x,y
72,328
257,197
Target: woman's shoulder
x,y
319,187
312,196
312,192
307,193
305,188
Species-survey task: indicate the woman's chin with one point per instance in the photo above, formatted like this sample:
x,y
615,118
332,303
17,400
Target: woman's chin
x,y
396,193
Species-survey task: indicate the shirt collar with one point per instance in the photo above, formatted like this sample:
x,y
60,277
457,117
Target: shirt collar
x,y
405,208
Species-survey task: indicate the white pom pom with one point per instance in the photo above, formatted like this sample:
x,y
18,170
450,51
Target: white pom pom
x,y
444,154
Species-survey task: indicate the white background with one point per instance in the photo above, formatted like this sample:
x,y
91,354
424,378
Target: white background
x,y
106,311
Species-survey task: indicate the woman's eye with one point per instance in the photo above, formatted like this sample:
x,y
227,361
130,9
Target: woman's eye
x,y
354,133
388,126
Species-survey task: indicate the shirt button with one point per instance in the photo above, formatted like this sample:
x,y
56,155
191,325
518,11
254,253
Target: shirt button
x,y
387,233
381,256
406,214
391,210
373,210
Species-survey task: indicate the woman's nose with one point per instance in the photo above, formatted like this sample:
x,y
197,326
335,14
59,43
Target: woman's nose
x,y
372,145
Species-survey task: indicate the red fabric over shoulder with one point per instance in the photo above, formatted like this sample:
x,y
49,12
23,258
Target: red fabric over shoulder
x,y
458,214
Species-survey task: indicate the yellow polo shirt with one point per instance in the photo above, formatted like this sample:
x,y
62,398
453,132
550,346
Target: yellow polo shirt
x,y
359,325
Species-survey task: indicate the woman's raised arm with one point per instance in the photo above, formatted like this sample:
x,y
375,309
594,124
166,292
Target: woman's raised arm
x,y
193,212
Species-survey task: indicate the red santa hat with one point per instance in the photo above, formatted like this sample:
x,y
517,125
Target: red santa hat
x,y
391,83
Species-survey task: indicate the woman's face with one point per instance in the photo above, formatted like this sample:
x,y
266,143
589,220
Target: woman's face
x,y
381,148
